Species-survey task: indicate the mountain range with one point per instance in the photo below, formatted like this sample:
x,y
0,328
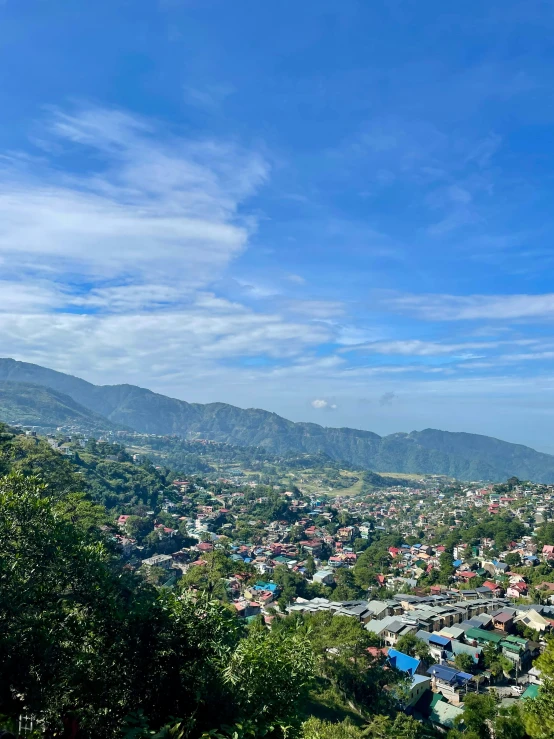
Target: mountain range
x,y
35,395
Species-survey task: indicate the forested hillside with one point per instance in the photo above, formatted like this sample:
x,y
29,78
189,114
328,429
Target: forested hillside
x,y
37,405
461,455
103,471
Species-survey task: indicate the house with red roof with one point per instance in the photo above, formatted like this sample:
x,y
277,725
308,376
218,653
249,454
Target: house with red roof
x,y
495,589
465,575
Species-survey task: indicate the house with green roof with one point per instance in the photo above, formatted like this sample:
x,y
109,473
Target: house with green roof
x,y
434,708
484,637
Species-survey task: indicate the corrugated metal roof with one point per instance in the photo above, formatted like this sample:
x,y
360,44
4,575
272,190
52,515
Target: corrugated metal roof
x,y
403,662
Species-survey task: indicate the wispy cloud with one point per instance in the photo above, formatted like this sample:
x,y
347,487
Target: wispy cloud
x,y
115,258
209,97
144,205
438,307
420,348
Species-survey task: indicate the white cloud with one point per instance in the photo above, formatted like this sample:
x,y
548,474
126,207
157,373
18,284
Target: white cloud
x,y
110,270
417,347
128,346
321,404
149,204
317,309
297,279
438,307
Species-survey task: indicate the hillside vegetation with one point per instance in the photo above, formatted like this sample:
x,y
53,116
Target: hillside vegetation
x,y
35,405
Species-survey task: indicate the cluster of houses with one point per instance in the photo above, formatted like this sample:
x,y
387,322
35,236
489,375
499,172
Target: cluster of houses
x,y
475,572
449,626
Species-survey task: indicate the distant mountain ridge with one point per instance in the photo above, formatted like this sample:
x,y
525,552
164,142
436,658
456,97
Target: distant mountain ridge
x,y
37,405
462,455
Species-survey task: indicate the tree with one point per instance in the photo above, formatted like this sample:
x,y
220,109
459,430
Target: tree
x,y
346,588
415,647
81,636
479,713
490,654
513,559
341,646
402,727
506,664
446,570
78,510
539,711
310,566
292,585
315,728
509,723
464,662
138,527
290,662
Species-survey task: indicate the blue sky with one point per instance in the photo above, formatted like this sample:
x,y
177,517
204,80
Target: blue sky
x,y
338,211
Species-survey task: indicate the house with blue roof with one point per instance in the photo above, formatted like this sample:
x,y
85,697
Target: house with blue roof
x,y
271,586
437,644
403,662
448,680
418,684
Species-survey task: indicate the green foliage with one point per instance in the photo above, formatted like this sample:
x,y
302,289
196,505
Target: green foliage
x,y
210,578
81,637
484,718
137,527
341,646
464,662
310,566
513,559
479,712
346,587
410,644
315,728
510,723
446,569
401,727
288,662
539,711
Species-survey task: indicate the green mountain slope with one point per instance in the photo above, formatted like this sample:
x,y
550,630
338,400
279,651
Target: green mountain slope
x,y
461,455
36,405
